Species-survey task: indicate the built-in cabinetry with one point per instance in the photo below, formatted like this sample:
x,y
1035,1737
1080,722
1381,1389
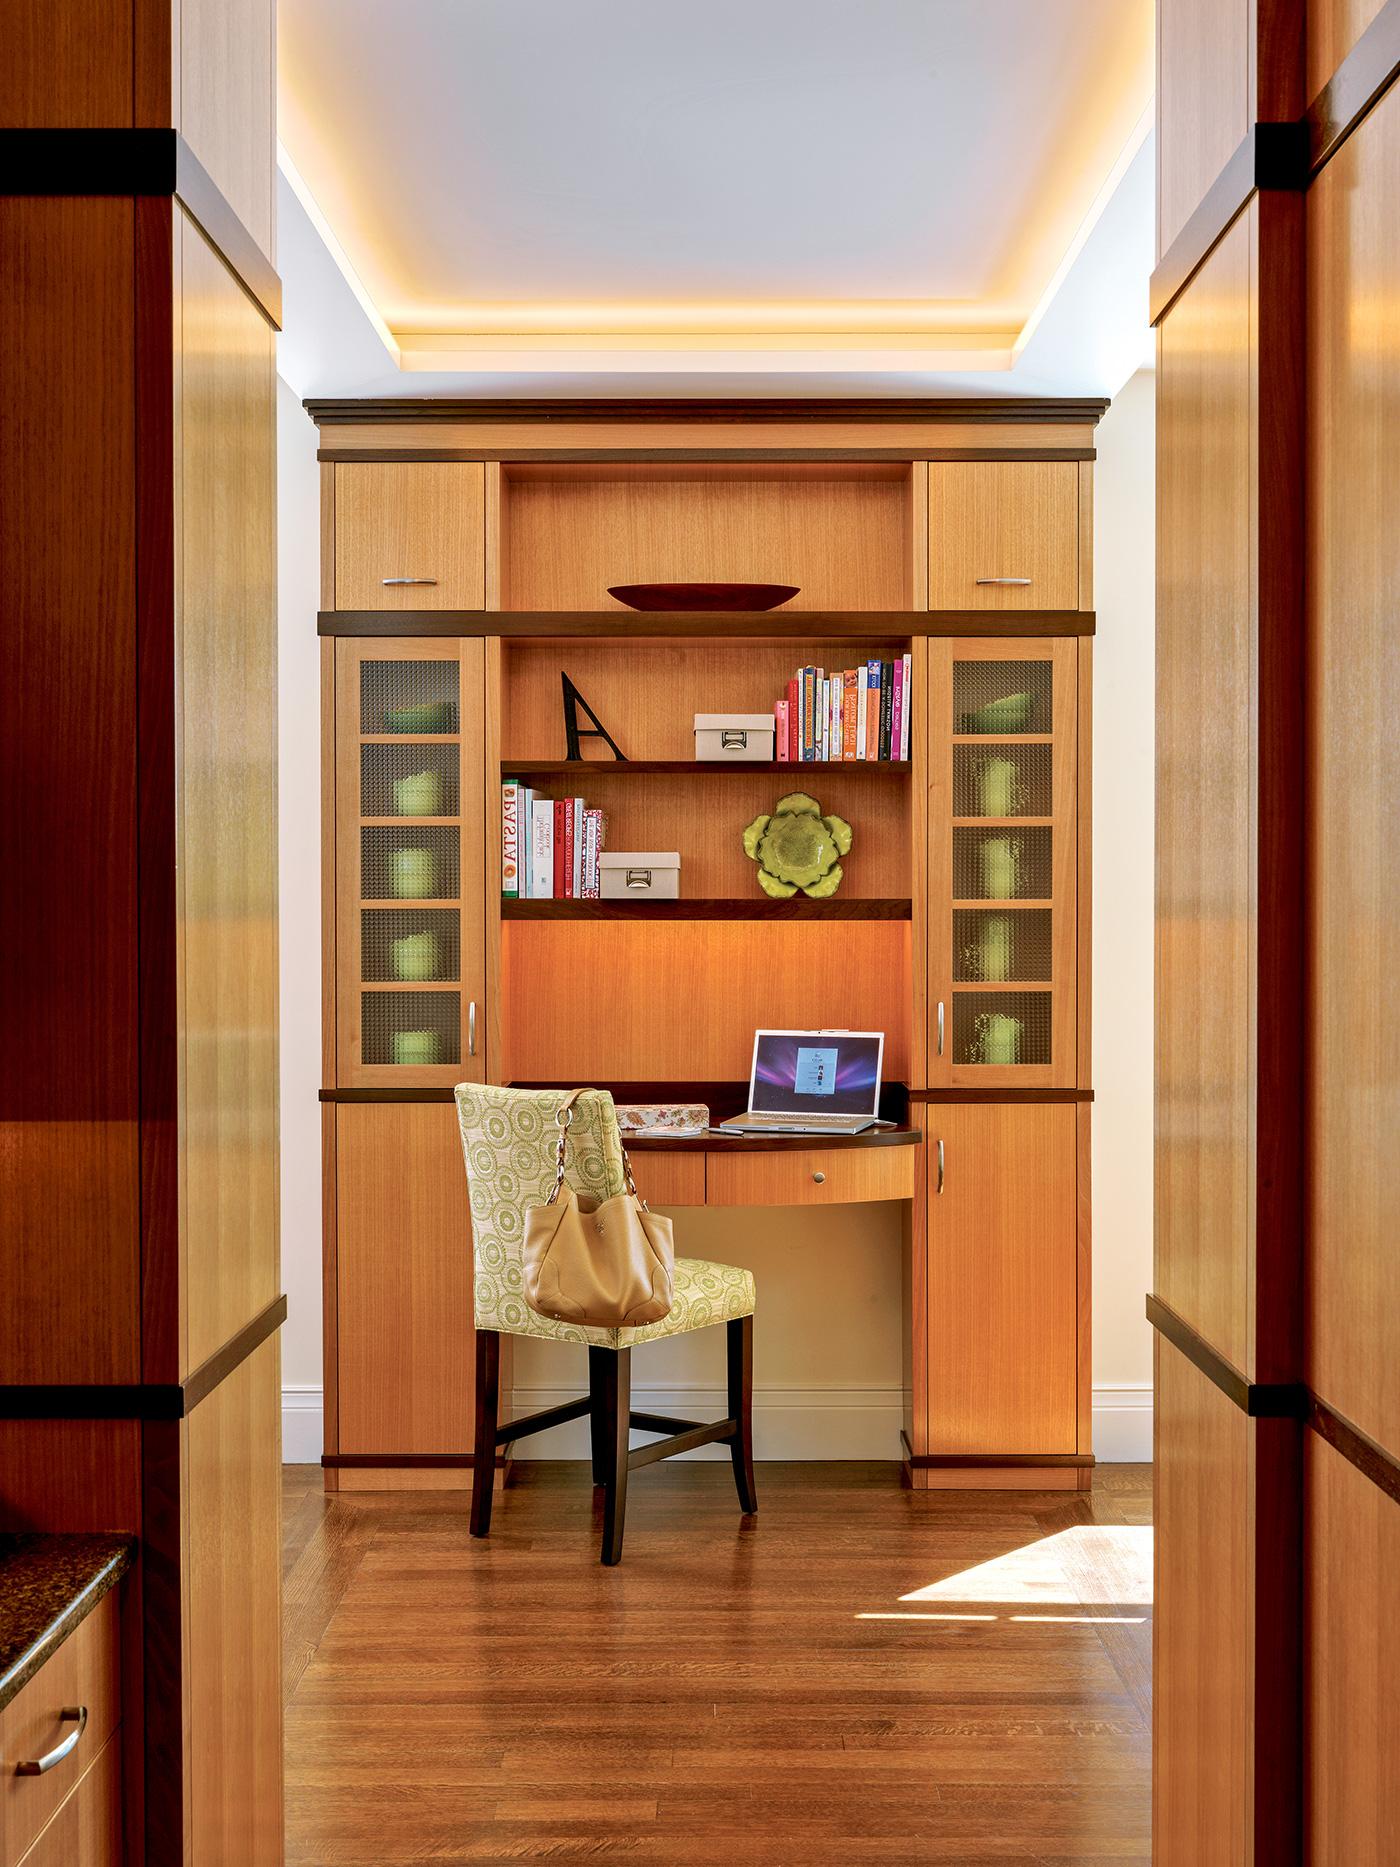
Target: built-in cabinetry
x,y
959,930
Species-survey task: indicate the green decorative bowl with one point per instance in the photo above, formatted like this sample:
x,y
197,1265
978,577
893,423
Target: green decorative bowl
x,y
417,1047
1010,714
429,716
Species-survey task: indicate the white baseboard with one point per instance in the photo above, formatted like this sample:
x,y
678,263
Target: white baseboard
x,y
788,1423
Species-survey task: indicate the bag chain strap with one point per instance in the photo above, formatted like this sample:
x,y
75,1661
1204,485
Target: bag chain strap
x,y
564,1121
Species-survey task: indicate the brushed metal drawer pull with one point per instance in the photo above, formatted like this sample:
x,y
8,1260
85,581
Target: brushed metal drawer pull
x,y
734,739
819,1177
940,1027
1020,582
940,1165
638,878
40,1766
471,1028
392,582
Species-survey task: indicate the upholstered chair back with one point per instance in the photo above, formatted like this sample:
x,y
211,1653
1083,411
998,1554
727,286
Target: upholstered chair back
x,y
509,1138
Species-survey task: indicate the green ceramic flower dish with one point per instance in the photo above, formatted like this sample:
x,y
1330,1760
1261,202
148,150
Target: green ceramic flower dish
x,y
797,847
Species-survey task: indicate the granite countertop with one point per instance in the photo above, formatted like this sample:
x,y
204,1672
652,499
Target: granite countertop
x,y
48,1586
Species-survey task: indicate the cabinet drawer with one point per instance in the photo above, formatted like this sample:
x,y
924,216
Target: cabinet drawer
x,y
670,1178
424,521
87,1830
84,1671
812,1176
1004,534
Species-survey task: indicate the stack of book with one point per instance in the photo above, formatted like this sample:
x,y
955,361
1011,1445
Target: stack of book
x,y
860,713
549,846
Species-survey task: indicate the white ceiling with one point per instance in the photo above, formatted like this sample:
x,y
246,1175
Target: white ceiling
x,y
887,188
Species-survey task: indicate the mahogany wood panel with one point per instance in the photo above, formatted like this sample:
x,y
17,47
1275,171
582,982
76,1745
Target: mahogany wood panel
x,y
86,1670
1002,1249
668,1177
1206,800
585,1000
69,1178
1204,101
1353,1293
226,678
1333,28
87,1831
74,1475
791,1179
225,71
403,1290
570,535
1352,1542
89,87
232,1587
1003,519
421,519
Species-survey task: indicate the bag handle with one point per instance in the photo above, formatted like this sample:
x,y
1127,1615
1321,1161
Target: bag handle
x,y
564,1120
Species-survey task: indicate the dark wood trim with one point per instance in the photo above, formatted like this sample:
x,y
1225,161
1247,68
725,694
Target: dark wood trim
x,y
539,456
400,1461
542,1421
327,411
636,625
1273,156
1358,83
1268,1400
661,1423
1001,1095
152,1401
1370,1459
746,908
692,768
143,163
975,1461
715,1432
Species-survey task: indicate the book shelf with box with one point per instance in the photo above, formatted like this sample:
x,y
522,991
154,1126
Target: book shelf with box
x,y
958,928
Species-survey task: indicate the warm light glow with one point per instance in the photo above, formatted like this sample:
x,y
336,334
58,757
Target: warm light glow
x,y
1088,1565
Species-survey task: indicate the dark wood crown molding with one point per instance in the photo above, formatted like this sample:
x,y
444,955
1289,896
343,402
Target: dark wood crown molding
x,y
330,411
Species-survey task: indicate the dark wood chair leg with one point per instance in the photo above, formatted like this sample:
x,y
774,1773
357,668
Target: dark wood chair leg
x,y
599,1361
741,1410
616,1410
488,1401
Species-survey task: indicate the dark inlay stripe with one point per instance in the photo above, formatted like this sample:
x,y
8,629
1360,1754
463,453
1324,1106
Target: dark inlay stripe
x,y
1362,78
349,456
1261,1400
327,410
1370,1459
863,625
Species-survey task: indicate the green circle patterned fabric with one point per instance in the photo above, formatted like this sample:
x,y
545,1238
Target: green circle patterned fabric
x,y
508,1143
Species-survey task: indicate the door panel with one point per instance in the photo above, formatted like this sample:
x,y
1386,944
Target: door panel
x,y
410,535
1003,534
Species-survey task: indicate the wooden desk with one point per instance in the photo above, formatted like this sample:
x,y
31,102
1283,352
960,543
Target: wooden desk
x,y
778,1170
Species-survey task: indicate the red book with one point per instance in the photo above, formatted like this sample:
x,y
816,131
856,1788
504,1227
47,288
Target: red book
x,y
780,731
563,849
794,714
849,708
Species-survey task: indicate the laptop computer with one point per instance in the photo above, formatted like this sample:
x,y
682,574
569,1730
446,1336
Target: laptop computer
x,y
812,1082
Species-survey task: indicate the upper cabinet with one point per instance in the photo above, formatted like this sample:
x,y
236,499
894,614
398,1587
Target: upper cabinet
x,y
1004,534
410,535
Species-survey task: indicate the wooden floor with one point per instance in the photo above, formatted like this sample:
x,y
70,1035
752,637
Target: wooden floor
x,y
861,1673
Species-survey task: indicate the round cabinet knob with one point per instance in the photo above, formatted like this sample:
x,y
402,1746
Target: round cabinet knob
x,y
819,1178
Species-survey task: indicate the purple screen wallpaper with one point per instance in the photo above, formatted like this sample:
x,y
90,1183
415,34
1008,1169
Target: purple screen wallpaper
x,y
821,1071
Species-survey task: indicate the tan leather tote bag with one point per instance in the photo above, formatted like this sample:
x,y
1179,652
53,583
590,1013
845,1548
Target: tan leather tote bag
x,y
605,1263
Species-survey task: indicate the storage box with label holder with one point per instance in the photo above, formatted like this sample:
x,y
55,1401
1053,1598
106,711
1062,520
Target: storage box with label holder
x,y
734,735
633,875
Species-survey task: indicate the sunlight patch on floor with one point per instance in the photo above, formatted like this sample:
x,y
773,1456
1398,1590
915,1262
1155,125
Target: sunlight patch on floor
x,y
1089,1565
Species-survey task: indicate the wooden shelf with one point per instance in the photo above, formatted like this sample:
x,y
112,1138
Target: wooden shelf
x,y
784,624
748,908
683,767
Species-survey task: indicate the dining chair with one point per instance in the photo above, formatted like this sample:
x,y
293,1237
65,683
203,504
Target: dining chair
x,y
509,1142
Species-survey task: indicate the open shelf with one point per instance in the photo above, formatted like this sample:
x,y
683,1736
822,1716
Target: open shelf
x,y
681,767
888,625
749,908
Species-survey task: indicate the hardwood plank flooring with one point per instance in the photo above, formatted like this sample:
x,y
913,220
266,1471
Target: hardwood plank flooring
x,y
861,1673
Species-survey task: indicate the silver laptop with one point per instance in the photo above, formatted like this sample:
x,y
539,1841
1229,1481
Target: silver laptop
x,y
812,1082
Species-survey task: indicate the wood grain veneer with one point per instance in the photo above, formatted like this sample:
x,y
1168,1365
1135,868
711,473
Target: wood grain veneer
x,y
1354,768
224,71
667,1177
1003,519
1333,28
424,519
811,1176
90,87
1002,1314
1205,101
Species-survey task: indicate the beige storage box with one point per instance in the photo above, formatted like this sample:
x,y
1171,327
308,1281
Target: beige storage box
x,y
734,735
639,875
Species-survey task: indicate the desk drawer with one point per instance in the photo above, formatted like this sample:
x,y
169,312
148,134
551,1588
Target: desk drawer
x,y
84,1671
669,1178
87,1831
810,1176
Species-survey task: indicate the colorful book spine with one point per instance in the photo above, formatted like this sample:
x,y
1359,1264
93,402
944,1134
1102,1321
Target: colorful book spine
x,y
542,849
862,713
510,840
896,707
576,847
794,717
908,709
850,716
592,848
562,873
886,706
872,709
809,713
780,731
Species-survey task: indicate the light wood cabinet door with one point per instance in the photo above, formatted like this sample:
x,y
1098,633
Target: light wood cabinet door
x,y
410,535
411,887
1003,534
1002,1278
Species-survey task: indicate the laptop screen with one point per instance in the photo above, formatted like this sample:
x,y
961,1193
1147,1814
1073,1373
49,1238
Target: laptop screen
x,y
816,1072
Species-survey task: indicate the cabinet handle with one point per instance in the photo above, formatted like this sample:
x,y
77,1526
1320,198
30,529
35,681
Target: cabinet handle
x,y
389,582
41,1765
940,1027
471,1028
819,1177
940,1164
1020,581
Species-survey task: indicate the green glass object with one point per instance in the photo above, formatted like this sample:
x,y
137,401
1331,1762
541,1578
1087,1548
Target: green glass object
x,y
1001,867
417,1047
994,950
415,874
429,716
797,847
998,1038
417,956
419,795
1010,714
998,787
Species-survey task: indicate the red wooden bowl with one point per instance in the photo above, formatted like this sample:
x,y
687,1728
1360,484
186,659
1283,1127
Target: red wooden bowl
x,y
718,596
